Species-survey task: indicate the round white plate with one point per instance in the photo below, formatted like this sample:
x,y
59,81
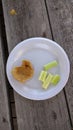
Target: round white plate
x,y
39,51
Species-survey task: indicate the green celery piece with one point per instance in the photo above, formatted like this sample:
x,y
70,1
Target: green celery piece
x,y
55,79
50,65
43,75
47,81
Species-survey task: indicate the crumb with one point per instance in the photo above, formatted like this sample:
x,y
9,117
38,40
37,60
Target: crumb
x,y
13,12
23,72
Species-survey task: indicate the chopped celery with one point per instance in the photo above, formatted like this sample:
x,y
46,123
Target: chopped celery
x,y
50,65
47,81
55,79
43,75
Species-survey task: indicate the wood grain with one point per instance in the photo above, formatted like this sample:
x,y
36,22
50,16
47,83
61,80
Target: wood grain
x,y
5,119
61,19
31,20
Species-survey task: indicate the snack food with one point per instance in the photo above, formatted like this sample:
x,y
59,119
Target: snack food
x,y
24,72
47,81
50,65
43,75
56,79
48,78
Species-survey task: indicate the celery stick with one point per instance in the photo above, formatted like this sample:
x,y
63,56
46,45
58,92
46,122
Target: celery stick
x,y
50,65
47,81
55,79
43,75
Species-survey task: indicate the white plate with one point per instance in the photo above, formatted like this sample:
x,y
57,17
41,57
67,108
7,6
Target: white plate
x,y
39,51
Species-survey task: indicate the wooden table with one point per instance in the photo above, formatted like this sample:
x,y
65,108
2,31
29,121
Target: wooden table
x,y
46,18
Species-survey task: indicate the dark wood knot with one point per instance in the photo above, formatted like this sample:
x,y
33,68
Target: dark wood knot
x,y
54,115
4,120
44,34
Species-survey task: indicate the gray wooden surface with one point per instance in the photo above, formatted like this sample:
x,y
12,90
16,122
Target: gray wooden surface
x,y
5,120
61,19
41,18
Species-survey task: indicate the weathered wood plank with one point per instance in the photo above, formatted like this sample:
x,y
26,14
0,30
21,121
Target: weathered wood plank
x,y
5,120
19,28
61,18
31,20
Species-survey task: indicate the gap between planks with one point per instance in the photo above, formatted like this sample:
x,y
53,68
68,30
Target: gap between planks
x,y
5,56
